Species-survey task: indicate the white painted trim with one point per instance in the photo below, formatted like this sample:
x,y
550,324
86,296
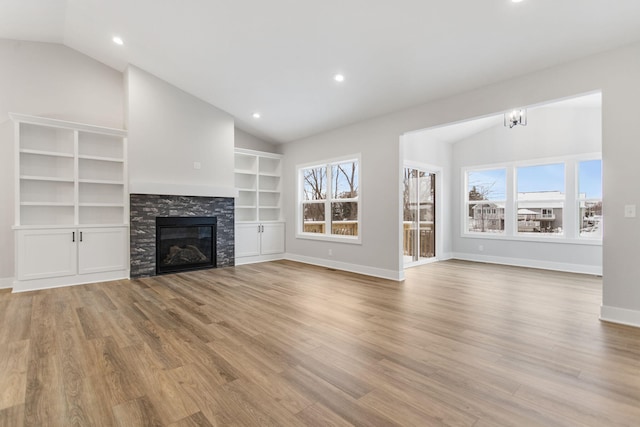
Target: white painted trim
x,y
446,256
622,316
6,282
249,152
423,261
46,121
258,258
59,282
353,268
530,263
172,189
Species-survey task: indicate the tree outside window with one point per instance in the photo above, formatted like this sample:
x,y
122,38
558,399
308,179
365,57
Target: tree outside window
x,y
330,199
486,193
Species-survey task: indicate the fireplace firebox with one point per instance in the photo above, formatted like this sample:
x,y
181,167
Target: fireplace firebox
x,y
185,243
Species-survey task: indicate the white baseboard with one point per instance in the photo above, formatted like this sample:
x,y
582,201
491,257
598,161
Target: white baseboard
x,y
6,282
353,268
622,316
530,263
60,282
258,258
445,256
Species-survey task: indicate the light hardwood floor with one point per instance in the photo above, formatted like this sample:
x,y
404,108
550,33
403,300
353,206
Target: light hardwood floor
x,y
284,344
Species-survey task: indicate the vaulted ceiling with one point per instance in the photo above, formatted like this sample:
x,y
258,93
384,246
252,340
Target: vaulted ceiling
x,y
278,57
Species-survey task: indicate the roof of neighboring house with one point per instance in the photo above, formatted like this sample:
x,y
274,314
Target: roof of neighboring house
x,y
527,212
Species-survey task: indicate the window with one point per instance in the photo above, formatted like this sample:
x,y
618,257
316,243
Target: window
x,y
559,199
540,199
590,198
329,200
486,191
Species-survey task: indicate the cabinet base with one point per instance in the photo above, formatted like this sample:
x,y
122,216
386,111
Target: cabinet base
x,y
258,258
59,282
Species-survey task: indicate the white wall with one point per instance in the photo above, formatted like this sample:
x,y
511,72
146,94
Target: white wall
x,y
421,148
379,180
54,81
169,130
615,73
551,132
250,142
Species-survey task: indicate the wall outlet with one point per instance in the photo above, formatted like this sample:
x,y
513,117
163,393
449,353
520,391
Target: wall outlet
x,y
481,248
330,252
197,165
629,211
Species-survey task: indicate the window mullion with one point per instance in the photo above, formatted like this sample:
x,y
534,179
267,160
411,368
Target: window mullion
x,y
510,204
327,204
570,216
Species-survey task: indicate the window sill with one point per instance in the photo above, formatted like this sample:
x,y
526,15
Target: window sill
x,y
535,239
330,238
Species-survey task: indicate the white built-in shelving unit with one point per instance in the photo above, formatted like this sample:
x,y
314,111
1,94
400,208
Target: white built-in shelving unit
x,y
71,184
258,207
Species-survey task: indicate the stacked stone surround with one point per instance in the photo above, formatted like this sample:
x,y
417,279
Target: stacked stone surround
x,y
144,208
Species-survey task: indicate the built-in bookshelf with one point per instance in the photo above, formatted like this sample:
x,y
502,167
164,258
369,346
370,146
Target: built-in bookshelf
x,y
71,203
258,181
69,173
260,229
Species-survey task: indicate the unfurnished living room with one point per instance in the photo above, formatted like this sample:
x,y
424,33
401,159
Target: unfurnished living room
x,y
250,213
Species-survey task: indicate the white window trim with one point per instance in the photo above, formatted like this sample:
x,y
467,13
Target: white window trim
x,y
571,231
300,201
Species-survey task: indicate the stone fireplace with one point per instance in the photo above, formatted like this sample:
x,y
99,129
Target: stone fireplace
x,y
144,213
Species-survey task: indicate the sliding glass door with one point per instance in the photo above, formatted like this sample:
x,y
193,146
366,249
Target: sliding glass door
x,y
419,215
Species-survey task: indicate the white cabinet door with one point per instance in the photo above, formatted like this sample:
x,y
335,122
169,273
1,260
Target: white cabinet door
x,y
102,249
247,239
272,238
46,253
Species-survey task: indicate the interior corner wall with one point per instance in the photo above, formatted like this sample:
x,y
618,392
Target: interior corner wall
x,y
247,141
49,80
615,73
551,132
170,130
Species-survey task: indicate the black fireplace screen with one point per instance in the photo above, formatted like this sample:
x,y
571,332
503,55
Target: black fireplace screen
x,y
185,243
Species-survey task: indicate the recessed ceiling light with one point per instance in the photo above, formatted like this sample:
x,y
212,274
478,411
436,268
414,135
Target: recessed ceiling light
x,y
338,78
118,40
516,1
256,115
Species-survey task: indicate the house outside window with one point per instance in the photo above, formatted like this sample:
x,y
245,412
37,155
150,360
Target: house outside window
x,y
540,199
329,200
485,202
557,199
590,198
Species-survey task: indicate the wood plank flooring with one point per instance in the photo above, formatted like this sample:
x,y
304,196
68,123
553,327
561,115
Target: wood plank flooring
x,y
287,344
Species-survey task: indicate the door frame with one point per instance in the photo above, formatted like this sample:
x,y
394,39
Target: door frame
x,y
438,171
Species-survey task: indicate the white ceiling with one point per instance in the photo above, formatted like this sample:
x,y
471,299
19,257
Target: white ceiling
x,y
278,57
